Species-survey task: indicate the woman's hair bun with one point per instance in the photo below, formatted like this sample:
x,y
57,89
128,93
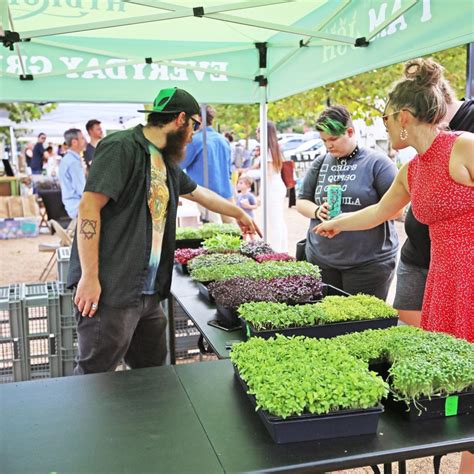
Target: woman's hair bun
x,y
424,71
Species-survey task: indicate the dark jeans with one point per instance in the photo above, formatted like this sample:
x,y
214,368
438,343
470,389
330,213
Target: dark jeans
x,y
372,279
136,335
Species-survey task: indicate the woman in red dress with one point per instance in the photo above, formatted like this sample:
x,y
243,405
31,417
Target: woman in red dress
x,y
439,181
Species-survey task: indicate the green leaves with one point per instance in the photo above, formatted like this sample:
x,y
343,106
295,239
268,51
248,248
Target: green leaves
x,y
222,243
207,231
212,259
423,364
255,271
291,376
266,315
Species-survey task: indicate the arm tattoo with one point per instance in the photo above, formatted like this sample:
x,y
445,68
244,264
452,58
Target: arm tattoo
x,y
88,228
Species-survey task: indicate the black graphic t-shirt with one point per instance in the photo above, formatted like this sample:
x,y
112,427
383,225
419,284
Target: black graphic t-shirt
x,y
365,178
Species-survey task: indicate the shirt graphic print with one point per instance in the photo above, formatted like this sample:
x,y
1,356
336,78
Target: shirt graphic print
x,y
158,204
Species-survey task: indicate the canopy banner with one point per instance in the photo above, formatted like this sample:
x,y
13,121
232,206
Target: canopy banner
x,y
116,51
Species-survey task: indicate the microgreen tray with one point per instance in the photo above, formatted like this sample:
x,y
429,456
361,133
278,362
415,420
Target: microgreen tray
x,y
204,291
321,331
309,427
436,407
182,268
189,243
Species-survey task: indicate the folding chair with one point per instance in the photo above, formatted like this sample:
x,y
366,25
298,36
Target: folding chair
x,y
65,240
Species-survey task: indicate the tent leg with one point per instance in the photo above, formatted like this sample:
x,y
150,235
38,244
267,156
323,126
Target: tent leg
x,y
263,158
470,72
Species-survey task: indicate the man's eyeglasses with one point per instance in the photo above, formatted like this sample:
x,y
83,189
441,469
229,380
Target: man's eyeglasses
x,y
196,124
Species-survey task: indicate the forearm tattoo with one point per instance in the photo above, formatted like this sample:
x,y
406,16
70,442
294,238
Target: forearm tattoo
x,y
88,228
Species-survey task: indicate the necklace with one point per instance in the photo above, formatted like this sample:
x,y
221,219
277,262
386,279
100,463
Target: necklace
x,y
344,159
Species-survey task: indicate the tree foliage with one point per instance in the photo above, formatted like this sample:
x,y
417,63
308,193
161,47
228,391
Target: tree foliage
x,y
364,96
23,112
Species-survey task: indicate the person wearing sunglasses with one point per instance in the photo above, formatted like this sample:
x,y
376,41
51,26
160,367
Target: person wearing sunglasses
x,y
439,182
122,255
219,165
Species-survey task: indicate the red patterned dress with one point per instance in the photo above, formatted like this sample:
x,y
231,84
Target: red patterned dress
x,y
448,209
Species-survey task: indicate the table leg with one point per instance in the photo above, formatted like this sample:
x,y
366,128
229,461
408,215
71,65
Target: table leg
x,y
172,331
437,463
402,467
375,469
387,468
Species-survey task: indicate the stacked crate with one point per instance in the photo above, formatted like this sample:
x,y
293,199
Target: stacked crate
x,y
67,320
12,348
41,330
186,334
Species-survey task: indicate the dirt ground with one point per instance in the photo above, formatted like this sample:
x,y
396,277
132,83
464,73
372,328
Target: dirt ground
x,y
22,262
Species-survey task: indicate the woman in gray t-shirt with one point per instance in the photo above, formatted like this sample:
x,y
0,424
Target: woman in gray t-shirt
x,y
356,262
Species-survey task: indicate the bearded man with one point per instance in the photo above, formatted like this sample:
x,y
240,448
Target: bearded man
x,y
122,255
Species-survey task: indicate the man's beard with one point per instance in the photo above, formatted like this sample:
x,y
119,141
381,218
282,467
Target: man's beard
x,y
175,149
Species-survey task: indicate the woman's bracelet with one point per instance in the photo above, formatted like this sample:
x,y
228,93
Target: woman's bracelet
x,y
316,212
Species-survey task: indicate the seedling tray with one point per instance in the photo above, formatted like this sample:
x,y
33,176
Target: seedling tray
x,y
322,331
436,407
188,243
308,427
228,316
182,268
204,291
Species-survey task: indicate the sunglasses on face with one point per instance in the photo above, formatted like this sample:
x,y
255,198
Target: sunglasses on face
x,y
196,124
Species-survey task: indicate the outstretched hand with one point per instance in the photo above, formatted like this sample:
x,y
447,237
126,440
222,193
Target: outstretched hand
x,y
248,226
327,229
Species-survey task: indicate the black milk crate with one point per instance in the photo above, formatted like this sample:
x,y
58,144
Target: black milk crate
x,y
183,323
12,349
186,339
40,308
68,361
42,357
63,254
187,354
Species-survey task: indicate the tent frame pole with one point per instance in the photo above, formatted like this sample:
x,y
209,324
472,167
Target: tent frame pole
x,y
469,71
263,157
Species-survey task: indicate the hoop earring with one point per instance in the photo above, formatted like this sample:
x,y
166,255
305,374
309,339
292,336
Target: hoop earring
x,y
403,134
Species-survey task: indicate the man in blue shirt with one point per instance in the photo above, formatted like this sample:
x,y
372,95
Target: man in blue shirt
x,y
71,172
219,161
36,163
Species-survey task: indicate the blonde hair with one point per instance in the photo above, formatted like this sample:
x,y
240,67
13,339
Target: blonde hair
x,y
246,179
422,91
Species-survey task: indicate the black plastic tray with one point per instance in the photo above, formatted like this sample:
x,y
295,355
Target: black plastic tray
x,y
438,407
228,316
182,268
322,331
204,291
308,427
188,243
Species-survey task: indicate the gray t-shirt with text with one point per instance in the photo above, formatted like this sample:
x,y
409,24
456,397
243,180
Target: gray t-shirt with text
x,y
365,178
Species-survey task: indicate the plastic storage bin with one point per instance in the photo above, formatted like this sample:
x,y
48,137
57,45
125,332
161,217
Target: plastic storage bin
x,y
12,349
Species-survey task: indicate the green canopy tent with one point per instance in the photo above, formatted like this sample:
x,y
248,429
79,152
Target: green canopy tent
x,y
251,51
